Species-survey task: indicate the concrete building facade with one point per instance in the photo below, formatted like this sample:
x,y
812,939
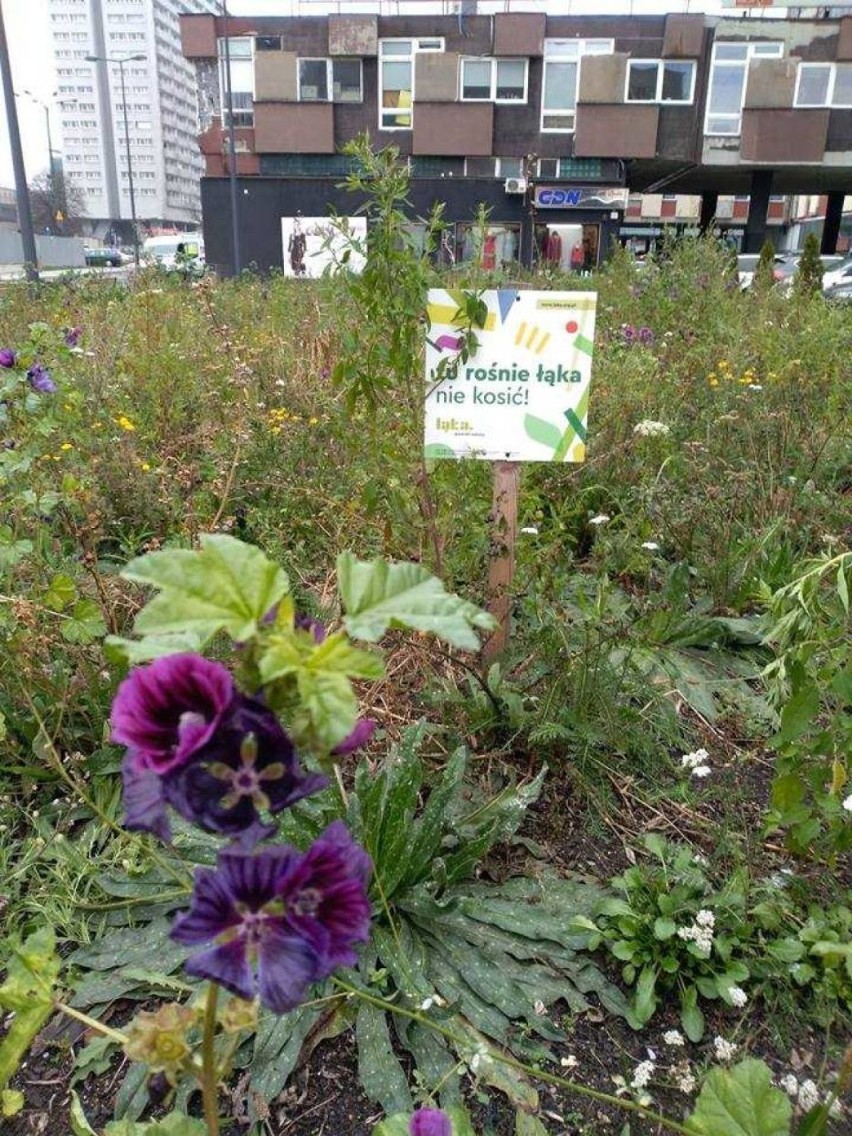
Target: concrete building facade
x,y
549,120
161,109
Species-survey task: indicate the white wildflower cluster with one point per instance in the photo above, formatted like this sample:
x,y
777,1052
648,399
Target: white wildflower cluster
x,y
651,545
685,1078
724,1050
847,803
697,763
600,519
673,1037
738,996
808,1096
648,428
642,1074
700,932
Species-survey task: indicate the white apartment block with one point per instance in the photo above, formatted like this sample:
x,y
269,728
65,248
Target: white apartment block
x,y
162,115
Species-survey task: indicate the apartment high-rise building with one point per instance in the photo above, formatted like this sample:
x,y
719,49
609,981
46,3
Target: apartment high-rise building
x,y
161,109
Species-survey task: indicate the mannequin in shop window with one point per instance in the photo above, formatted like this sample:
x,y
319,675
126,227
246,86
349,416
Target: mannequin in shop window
x,y
489,252
577,258
553,248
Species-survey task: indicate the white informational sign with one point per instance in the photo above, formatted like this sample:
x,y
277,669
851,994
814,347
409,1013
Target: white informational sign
x,y
314,245
524,394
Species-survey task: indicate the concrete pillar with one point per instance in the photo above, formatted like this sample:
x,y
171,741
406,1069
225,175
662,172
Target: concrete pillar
x,y
709,204
831,227
758,210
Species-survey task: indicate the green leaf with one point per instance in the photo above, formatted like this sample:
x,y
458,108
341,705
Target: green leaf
x,y
664,928
79,1124
329,701
645,1000
528,1125
378,595
843,587
691,1017
799,712
11,1103
542,431
741,1101
60,593
85,623
224,586
396,1125
31,974
135,651
382,1077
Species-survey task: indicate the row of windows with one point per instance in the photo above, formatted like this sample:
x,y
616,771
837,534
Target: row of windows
x,y
484,79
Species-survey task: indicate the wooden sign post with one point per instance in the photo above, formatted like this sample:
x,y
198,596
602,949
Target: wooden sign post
x,y
521,396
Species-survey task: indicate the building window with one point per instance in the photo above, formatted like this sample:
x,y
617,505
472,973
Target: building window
x,y
561,79
330,80
824,85
660,81
267,43
728,72
396,79
494,80
242,81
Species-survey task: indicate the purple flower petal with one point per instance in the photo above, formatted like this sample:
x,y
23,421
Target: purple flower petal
x,y
72,336
226,964
361,734
144,803
169,709
286,968
430,1122
7,357
325,897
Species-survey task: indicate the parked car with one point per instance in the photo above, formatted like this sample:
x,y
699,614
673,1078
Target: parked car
x,y
106,257
841,274
747,264
840,292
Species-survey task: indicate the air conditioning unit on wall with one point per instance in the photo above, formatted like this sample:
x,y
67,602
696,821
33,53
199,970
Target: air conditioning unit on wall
x,y
515,185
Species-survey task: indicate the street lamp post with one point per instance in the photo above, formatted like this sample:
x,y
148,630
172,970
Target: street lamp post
x,y
121,60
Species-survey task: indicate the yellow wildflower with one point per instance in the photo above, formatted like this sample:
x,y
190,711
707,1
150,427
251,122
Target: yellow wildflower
x,y
145,466
313,421
714,382
125,423
66,446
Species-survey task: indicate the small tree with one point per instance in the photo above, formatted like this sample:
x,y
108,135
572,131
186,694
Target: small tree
x,y
764,273
58,204
808,281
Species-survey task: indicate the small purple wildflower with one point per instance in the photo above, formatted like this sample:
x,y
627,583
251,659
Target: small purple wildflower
x,y
430,1122
7,357
646,336
40,379
72,336
164,712
629,332
277,919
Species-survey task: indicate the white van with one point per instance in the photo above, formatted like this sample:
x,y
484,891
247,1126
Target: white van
x,y
164,250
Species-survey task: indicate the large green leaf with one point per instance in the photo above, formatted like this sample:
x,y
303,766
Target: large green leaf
x,y
382,1077
741,1101
378,595
28,992
226,585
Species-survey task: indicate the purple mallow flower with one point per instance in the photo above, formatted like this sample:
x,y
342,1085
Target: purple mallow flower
x,y
40,379
72,336
7,357
195,743
629,332
646,336
166,711
278,920
430,1122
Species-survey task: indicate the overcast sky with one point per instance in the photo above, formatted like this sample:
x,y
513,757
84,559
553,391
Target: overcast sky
x,y
28,32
